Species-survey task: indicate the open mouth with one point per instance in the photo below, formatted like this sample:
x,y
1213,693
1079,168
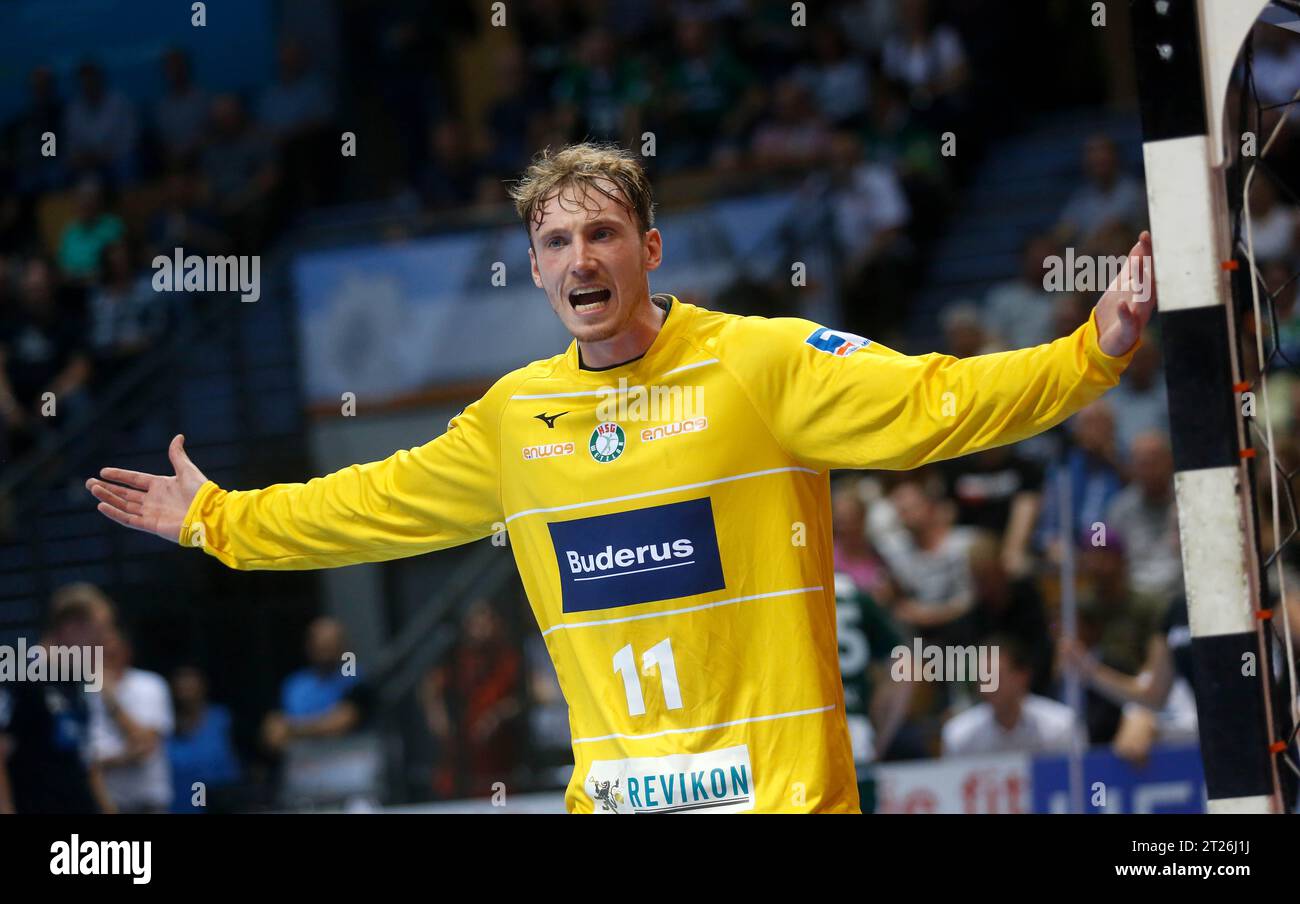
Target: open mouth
x,y
588,299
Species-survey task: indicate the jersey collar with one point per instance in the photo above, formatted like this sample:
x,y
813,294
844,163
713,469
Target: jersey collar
x,y
677,313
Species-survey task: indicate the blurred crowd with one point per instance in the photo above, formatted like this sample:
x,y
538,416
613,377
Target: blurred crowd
x,y
94,182
145,742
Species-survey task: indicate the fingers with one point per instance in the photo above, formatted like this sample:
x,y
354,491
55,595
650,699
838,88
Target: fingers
x,y
135,479
128,500
176,453
126,520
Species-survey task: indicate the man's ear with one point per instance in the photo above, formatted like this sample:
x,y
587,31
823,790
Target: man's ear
x,y
654,246
537,274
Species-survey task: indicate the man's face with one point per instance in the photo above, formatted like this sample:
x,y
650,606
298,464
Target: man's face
x,y
1013,683
38,287
324,643
1152,464
591,258
913,508
188,687
1094,428
79,632
1100,161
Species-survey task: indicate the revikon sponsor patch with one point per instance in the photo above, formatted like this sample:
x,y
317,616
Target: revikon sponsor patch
x,y
657,553
720,781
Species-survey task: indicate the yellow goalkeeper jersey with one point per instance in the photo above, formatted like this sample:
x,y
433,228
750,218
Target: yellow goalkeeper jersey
x,y
670,519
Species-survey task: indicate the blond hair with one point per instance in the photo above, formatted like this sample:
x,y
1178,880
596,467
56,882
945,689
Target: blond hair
x,y
80,599
587,167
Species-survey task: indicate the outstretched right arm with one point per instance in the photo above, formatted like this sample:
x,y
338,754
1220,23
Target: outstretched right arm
x,y
441,494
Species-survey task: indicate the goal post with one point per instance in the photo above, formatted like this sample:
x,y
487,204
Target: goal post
x,y
1186,52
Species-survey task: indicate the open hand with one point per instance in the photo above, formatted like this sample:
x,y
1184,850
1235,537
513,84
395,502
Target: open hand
x,y
1126,307
150,502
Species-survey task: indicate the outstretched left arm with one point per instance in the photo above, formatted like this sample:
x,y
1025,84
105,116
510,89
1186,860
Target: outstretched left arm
x,y
835,400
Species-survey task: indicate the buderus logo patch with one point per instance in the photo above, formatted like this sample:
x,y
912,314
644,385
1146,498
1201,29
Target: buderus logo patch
x,y
649,554
834,342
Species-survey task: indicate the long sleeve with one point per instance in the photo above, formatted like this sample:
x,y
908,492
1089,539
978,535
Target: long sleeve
x,y
441,494
834,400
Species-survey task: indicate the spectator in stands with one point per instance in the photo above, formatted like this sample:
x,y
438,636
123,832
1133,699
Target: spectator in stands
x,y
8,312
1107,196
1012,719
473,706
1069,311
893,136
295,112
453,175
929,58
126,315
1276,66
183,220
45,760
129,729
1273,225
1139,402
719,12
963,330
42,350
1277,282
1124,620
1145,515
101,132
512,118
84,239
926,554
867,23
709,99
16,230
8,286
836,79
601,92
36,172
876,705
1000,491
1019,312
550,743
181,116
855,556
794,135
321,700
1010,606
870,209
241,171
1158,702
1092,468
200,750
869,217
298,102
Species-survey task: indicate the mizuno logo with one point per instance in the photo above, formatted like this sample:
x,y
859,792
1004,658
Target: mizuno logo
x,y
550,419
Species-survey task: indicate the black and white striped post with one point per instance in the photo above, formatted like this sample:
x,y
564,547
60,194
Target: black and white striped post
x,y
1185,52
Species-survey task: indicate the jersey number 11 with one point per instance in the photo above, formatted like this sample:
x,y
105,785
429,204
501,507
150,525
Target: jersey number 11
x,y
661,654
